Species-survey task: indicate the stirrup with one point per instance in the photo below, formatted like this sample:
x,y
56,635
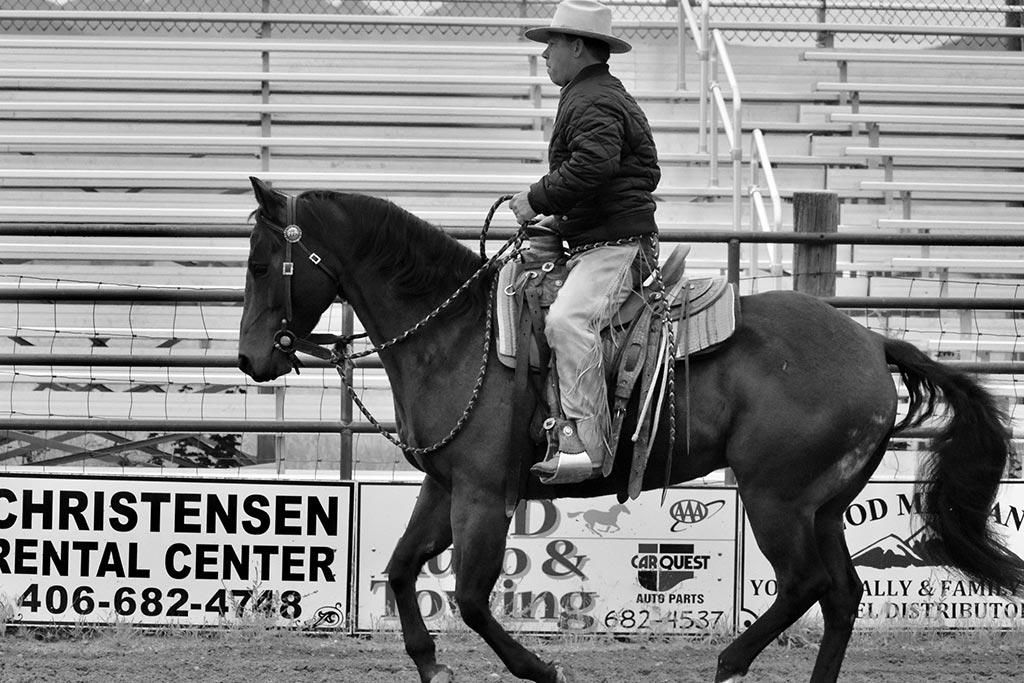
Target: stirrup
x,y
569,468
570,463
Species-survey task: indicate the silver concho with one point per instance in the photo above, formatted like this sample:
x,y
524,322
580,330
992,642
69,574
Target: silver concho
x,y
293,233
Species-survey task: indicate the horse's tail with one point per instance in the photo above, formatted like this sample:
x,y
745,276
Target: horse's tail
x,y
959,482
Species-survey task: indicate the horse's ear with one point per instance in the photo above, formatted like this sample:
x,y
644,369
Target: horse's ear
x,y
267,197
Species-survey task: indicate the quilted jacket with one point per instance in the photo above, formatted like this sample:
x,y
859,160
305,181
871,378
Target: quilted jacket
x,y
603,163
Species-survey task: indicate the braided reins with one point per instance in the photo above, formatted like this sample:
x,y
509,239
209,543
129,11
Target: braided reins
x,y
340,356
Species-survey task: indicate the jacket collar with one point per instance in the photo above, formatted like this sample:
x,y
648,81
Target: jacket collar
x,y
586,73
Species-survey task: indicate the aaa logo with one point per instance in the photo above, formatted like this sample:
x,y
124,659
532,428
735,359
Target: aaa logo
x,y
689,512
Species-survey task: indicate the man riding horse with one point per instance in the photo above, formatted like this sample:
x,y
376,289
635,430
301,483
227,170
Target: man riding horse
x,y
597,197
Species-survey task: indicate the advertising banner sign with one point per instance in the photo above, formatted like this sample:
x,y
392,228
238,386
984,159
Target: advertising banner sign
x,y
587,566
901,588
147,550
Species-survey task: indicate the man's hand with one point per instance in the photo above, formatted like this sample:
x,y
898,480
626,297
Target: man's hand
x,y
520,205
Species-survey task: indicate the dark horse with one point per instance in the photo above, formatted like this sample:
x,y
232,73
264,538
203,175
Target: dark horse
x,y
800,403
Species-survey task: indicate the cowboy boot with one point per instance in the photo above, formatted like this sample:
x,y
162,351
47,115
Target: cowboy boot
x,y
571,462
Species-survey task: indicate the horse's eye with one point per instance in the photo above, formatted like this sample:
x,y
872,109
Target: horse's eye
x,y
258,269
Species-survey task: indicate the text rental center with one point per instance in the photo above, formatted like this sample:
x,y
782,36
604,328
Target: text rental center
x,y
177,513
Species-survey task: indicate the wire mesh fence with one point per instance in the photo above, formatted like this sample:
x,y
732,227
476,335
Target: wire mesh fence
x,y
938,13
649,10
658,14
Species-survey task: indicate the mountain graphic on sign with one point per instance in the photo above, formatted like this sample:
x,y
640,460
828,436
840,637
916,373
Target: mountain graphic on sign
x,y
892,551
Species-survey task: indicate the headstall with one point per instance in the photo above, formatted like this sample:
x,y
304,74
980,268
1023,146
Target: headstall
x,y
285,340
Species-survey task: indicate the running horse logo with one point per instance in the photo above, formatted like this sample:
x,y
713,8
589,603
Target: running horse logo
x,y
607,521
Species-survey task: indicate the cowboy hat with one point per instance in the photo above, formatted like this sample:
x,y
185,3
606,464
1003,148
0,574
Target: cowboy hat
x,y
584,18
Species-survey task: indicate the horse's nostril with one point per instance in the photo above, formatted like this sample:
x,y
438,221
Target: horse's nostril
x,y
243,363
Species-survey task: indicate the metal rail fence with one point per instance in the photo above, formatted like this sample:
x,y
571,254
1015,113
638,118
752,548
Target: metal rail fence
x,y
14,424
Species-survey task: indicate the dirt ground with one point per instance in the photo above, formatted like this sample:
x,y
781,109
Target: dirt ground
x,y
126,656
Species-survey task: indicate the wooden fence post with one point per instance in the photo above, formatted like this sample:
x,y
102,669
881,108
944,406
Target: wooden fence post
x,y
814,265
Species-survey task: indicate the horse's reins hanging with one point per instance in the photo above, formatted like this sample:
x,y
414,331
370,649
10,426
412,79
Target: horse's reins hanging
x,y
289,343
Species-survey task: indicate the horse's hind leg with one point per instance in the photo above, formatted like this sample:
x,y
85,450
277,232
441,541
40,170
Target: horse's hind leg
x,y
428,533
786,536
840,603
480,527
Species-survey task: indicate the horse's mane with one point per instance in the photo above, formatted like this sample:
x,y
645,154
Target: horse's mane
x,y
414,256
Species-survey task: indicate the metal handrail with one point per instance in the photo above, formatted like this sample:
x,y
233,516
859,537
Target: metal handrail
x,y
697,29
732,125
711,44
759,161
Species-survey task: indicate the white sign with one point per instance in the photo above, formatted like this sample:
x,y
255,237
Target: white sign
x,y
174,551
900,586
588,566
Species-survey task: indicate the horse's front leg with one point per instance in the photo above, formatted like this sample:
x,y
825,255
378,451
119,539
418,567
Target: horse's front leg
x,y
428,533
480,526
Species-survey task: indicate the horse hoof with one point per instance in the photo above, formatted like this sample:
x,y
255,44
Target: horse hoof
x,y
444,675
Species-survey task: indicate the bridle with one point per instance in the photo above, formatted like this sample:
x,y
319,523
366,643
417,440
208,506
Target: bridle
x,y
285,340
340,356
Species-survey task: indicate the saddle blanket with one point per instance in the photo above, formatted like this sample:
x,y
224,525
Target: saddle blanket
x,y
710,317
